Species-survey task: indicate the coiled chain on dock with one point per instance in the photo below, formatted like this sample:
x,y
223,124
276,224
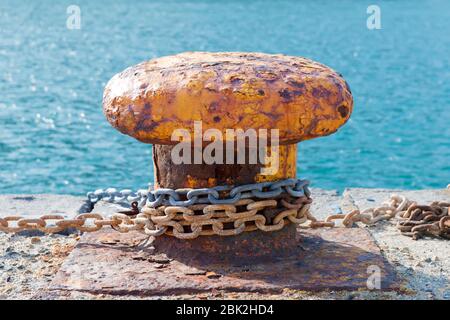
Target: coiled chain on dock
x,y
416,221
420,221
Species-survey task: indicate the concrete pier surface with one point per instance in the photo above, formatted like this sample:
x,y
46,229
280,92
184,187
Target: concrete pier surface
x,y
30,262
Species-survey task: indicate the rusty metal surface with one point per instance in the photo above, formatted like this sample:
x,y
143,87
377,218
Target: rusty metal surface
x,y
302,98
325,259
170,175
247,247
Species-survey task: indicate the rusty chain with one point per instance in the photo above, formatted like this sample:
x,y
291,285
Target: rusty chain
x,y
416,221
181,222
419,221
370,216
189,222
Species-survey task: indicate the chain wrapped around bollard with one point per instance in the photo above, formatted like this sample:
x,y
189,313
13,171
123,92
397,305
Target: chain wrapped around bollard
x,y
204,217
216,120
227,207
202,214
225,198
188,196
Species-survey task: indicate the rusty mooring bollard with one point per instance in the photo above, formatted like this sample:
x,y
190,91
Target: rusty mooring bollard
x,y
301,98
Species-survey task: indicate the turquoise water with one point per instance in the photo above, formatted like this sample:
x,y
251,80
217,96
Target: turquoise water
x,y
55,139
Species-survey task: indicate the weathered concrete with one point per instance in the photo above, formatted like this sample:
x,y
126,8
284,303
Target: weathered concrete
x,y
107,208
35,205
325,203
27,263
40,204
367,198
425,263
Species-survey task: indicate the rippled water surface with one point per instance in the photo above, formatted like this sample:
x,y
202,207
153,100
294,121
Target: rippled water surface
x,y
55,139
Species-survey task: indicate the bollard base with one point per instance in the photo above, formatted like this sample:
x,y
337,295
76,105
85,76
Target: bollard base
x,y
247,247
107,262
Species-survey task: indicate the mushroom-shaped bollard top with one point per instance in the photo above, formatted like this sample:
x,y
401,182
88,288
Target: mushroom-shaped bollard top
x,y
302,98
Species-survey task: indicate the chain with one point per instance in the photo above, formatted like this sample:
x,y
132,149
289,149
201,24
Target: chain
x,y
420,221
190,222
221,219
181,222
368,216
416,221
216,195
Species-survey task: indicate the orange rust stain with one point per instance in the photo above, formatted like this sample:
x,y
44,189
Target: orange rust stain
x,y
287,168
302,98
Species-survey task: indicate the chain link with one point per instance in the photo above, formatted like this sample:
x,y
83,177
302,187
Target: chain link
x,y
420,221
181,222
218,219
244,215
216,195
416,221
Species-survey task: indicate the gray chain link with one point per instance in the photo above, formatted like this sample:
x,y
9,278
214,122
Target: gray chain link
x,y
154,198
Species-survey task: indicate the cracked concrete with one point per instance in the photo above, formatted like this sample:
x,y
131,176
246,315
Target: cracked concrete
x,y
424,263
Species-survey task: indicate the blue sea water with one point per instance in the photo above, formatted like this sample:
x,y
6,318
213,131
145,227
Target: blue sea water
x,y
55,139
